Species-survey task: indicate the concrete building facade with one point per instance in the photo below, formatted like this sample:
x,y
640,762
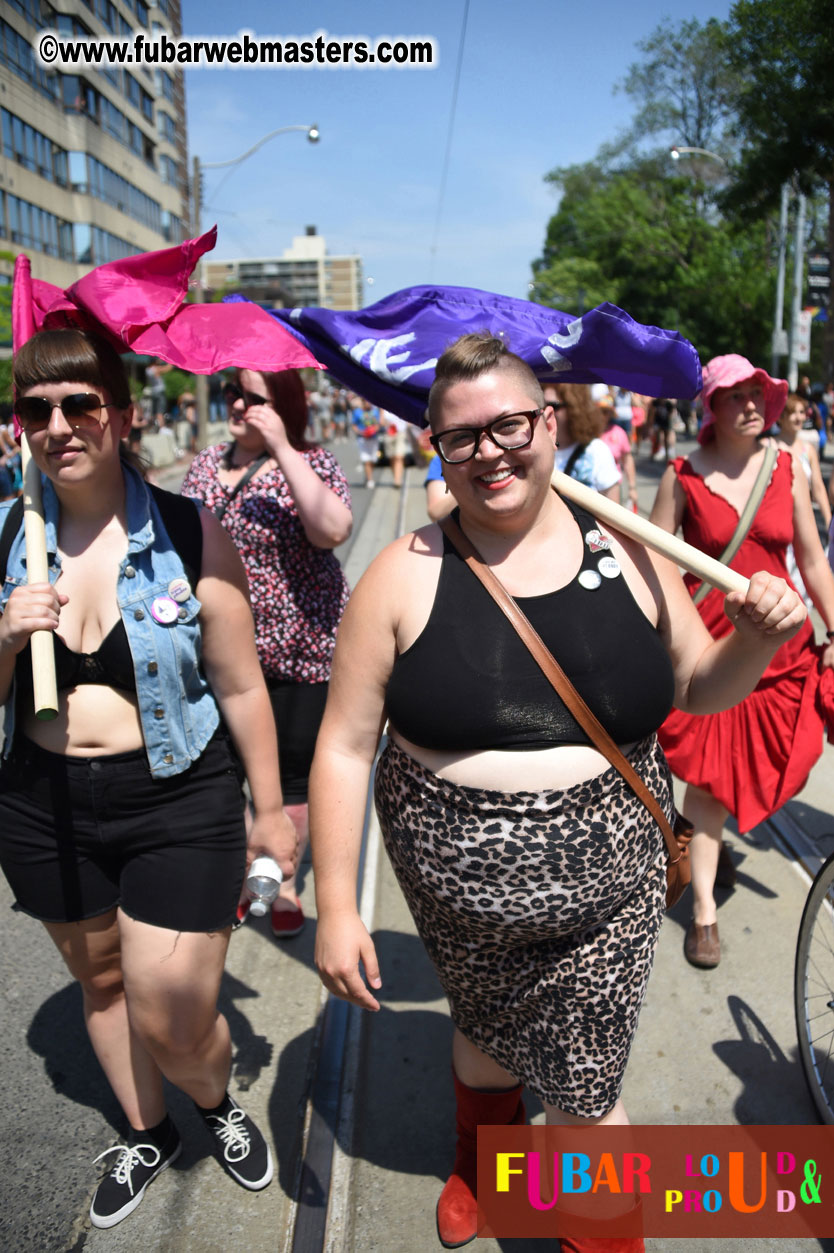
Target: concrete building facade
x,y
93,165
305,274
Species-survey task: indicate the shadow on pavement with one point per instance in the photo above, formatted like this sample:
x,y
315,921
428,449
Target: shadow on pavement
x,y
58,1034
774,1086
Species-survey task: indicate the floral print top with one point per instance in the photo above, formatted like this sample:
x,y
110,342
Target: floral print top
x,y
298,591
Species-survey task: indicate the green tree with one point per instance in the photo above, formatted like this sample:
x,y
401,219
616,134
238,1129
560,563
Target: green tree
x,y
683,86
681,244
641,237
783,54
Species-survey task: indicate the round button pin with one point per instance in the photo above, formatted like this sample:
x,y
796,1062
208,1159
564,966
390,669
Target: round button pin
x,y
589,579
596,541
179,589
609,567
164,610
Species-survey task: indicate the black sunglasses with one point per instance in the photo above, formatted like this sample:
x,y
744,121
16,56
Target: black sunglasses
x,y
232,394
509,432
81,409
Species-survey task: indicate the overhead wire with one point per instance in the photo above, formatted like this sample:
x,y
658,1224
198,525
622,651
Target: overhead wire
x,y
449,137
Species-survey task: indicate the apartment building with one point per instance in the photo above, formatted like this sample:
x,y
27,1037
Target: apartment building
x,y
93,164
305,274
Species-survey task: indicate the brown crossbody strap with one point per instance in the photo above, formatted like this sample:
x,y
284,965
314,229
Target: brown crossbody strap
x,y
556,676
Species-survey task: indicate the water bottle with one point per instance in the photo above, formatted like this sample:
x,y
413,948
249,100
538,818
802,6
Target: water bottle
x,y
262,884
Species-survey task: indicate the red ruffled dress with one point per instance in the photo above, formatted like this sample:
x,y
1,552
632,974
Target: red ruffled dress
x,y
757,755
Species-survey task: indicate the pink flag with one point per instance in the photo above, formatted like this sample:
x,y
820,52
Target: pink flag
x,y
139,304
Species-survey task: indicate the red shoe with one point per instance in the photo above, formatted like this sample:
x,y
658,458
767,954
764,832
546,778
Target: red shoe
x,y
287,922
457,1209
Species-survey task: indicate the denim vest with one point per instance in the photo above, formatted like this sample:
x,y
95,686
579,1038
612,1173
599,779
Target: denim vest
x,y
177,709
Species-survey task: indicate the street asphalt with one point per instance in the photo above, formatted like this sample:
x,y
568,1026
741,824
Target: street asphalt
x,y
712,1047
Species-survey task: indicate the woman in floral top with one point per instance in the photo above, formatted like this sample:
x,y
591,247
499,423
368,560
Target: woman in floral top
x,y
286,505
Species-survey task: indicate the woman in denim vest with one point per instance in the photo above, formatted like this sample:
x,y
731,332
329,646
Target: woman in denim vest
x,y
121,821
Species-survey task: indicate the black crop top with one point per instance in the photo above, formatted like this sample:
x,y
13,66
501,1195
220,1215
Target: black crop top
x,y
468,683
110,665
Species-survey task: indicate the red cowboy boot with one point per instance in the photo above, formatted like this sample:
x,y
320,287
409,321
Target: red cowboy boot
x,y
457,1209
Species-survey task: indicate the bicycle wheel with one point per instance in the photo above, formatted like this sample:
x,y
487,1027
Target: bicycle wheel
x,y
814,991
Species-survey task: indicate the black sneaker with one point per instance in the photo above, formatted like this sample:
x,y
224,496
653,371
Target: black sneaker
x,y
241,1149
137,1165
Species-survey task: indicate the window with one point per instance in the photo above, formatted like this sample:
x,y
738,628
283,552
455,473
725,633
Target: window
x,y
78,171
165,85
169,170
79,96
107,247
107,13
167,127
108,186
39,14
113,121
173,228
31,149
133,91
94,246
83,244
35,228
16,53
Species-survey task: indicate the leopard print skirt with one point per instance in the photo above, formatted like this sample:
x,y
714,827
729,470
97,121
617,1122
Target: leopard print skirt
x,y
540,912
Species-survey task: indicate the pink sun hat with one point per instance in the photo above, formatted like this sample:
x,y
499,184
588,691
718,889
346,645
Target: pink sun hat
x,y
726,371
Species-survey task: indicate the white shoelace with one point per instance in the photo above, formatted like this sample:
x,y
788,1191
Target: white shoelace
x,y
234,1138
131,1156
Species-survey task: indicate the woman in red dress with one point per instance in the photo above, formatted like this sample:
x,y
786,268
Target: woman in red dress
x,y
751,759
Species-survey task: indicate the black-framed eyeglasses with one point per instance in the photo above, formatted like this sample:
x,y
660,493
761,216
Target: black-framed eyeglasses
x,y
510,431
233,394
81,410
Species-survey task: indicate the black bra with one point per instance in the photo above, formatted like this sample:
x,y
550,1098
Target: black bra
x,y
110,665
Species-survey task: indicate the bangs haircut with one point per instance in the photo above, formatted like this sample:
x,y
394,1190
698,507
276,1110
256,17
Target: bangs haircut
x,y
71,356
470,357
286,394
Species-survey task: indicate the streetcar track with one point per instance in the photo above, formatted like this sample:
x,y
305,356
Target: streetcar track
x,y
319,1211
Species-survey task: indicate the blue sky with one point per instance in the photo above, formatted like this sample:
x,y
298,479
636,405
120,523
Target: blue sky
x,y
536,91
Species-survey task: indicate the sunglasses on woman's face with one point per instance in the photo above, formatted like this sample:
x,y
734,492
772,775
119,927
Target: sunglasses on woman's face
x,y
81,410
233,394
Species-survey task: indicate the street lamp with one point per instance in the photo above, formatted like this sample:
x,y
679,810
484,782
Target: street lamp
x,y
680,150
313,135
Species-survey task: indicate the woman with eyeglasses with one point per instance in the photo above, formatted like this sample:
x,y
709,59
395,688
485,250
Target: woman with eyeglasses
x,y
286,504
536,878
122,820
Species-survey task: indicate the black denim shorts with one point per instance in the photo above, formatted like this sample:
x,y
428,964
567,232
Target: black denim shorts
x,y
81,835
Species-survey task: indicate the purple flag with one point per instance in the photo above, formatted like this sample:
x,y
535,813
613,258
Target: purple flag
x,y
387,352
